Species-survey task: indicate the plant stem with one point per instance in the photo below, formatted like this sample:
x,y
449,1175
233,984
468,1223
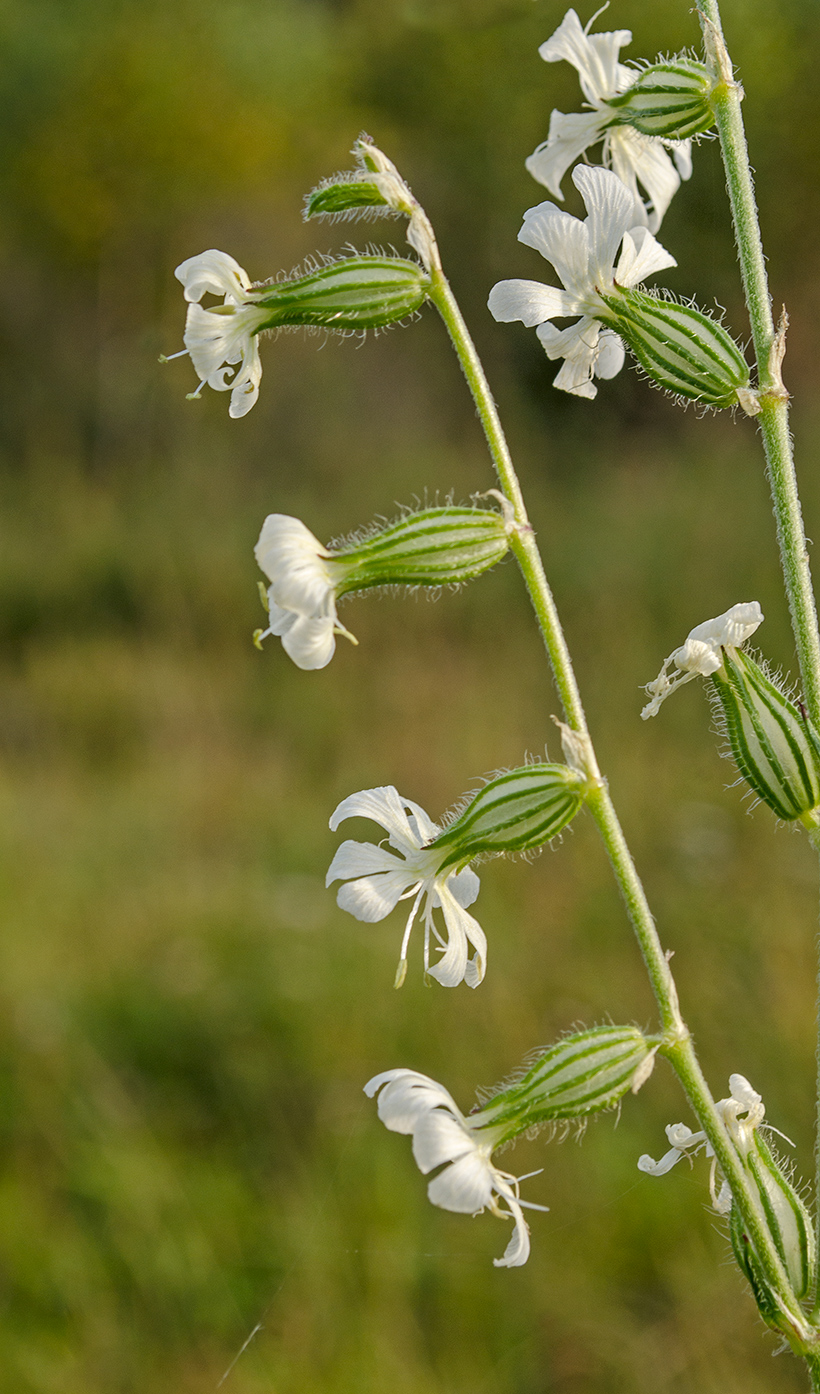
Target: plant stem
x,y
774,423
678,1045
768,346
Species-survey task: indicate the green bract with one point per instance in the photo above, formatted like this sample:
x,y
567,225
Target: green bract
x,y
516,811
359,292
774,743
682,349
669,100
581,1074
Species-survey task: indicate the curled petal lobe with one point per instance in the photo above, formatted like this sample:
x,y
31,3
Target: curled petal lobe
x,y
384,806
355,859
407,1097
213,273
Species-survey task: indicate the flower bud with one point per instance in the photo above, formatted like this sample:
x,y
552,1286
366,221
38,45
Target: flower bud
x,y
681,349
789,1225
515,812
670,101
773,741
373,189
434,547
358,292
584,1073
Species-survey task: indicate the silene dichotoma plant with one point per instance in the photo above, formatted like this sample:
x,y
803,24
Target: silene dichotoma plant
x,y
643,117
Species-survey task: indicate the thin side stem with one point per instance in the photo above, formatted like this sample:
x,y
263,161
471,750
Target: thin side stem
x,y
678,1045
769,348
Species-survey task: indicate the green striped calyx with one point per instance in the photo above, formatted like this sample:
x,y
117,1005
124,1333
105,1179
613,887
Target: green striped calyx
x,y
789,1225
772,739
670,101
357,292
584,1073
682,350
515,812
434,547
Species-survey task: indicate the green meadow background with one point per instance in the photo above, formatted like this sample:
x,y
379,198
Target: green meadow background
x,y
186,1019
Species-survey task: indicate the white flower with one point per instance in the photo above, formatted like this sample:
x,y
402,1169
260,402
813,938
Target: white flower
x,y
583,254
377,879
702,654
634,157
302,593
223,335
410,1102
684,1143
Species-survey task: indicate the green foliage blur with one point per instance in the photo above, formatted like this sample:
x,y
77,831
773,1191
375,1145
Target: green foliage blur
x,y
187,1159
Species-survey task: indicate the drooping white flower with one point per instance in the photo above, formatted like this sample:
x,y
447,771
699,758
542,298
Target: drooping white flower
x,y
302,593
468,1183
742,1113
377,879
583,254
221,336
634,157
701,654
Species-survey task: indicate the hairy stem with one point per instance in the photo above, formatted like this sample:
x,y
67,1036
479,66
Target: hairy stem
x,y
678,1045
769,346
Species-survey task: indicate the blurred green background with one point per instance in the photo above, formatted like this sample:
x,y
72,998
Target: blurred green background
x,y
187,1019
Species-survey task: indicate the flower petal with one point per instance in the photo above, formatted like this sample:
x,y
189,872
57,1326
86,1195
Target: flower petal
x,y
439,1137
529,301
311,641
406,1096
650,164
371,898
611,354
611,210
293,560
564,241
570,134
594,58
214,273
454,966
465,1187
518,1250
464,886
384,806
354,859
642,256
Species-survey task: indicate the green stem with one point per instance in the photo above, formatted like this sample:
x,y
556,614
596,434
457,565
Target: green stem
x,y
774,416
678,1045
774,420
